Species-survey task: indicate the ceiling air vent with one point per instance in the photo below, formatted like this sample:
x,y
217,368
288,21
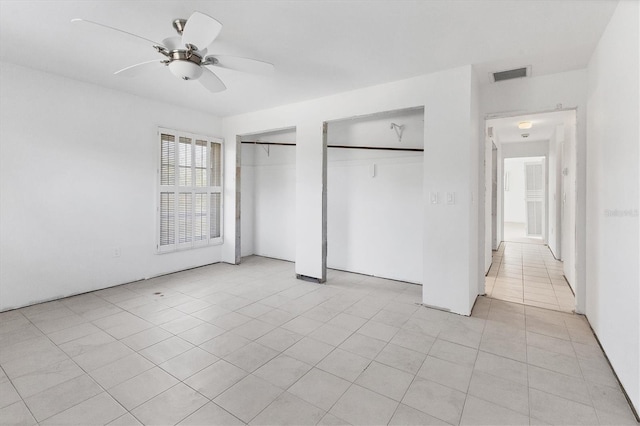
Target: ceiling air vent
x,y
511,74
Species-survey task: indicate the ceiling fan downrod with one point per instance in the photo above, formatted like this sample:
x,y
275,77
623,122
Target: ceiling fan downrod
x,y
179,25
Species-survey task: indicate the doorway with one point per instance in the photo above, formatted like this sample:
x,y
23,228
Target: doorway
x,y
267,195
524,194
532,209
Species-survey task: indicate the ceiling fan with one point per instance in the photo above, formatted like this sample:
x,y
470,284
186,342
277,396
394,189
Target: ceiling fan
x,y
186,54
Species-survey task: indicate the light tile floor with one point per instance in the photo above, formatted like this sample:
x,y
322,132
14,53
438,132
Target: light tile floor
x,y
229,345
517,233
529,274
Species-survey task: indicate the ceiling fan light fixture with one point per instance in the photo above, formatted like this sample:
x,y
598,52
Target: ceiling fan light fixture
x,y
183,54
185,69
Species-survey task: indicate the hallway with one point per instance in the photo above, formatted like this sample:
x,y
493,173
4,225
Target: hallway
x,y
528,274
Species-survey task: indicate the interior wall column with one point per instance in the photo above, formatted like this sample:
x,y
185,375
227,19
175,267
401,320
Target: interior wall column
x,y
310,201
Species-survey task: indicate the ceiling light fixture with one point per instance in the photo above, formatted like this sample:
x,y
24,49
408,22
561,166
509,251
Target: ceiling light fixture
x,y
185,64
524,125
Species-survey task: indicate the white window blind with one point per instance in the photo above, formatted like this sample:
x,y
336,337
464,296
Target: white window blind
x,y
190,191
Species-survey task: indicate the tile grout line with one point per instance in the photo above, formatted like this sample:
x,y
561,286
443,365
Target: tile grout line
x,y
415,376
526,358
66,381
466,396
18,392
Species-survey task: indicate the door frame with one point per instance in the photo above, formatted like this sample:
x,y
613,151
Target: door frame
x,y
579,145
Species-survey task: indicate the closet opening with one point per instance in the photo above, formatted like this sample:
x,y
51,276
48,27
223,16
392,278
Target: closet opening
x,y
374,195
268,195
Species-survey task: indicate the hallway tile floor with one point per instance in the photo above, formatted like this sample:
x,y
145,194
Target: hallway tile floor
x,y
250,344
529,274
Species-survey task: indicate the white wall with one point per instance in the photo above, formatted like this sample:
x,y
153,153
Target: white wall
x,y
514,204
375,130
476,207
525,149
570,209
500,192
546,93
613,185
446,97
247,197
268,201
78,180
374,223
554,173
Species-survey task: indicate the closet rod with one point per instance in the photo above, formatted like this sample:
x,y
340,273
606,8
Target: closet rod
x,y
268,143
381,148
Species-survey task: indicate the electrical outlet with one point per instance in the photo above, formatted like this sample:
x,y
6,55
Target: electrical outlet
x,y
451,197
116,252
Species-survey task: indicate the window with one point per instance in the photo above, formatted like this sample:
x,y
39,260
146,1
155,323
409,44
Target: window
x,y
190,191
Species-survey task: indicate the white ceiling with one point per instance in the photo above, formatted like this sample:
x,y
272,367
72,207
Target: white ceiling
x,y
543,125
319,47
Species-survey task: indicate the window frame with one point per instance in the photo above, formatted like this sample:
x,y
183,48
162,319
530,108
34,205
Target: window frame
x,y
176,190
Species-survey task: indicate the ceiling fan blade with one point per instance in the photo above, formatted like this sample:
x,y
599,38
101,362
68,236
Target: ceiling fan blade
x,y
134,70
140,38
210,81
200,30
238,63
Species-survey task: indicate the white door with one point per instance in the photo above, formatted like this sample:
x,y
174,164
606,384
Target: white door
x,y
534,198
